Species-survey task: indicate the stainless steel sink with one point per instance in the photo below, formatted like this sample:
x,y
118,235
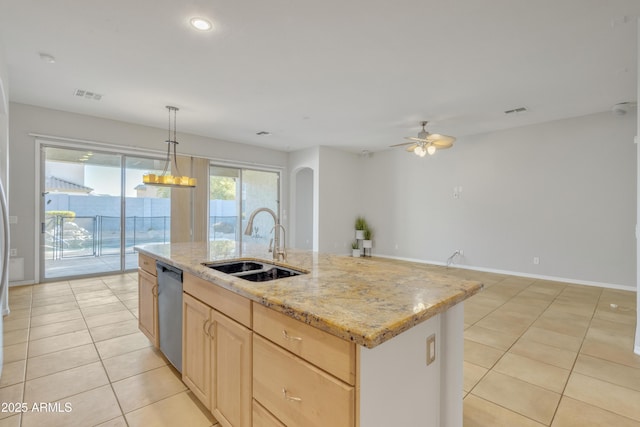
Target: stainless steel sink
x,y
254,271
236,266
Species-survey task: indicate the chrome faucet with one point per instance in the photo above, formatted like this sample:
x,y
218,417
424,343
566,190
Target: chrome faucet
x,y
277,252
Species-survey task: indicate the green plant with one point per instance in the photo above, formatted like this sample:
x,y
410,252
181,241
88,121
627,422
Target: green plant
x,y
368,234
354,245
361,223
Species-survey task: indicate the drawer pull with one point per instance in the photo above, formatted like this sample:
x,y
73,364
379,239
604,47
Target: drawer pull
x,y
290,337
291,398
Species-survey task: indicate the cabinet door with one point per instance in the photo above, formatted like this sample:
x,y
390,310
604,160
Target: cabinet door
x,y
263,418
196,348
148,305
231,372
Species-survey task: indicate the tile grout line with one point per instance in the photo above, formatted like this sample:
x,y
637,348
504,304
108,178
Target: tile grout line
x,y
511,346
573,365
102,362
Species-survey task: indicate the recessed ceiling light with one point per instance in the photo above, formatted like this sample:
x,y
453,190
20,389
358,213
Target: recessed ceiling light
x,y
200,24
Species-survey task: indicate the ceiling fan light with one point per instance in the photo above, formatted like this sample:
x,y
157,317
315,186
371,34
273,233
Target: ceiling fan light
x,y
431,149
419,151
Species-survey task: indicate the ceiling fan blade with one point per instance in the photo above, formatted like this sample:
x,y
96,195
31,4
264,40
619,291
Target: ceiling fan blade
x,y
403,143
442,144
437,138
412,147
415,139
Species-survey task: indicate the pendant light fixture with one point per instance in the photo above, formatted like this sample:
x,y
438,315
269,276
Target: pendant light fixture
x,y
166,179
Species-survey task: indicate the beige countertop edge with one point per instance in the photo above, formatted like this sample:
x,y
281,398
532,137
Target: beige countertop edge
x,y
367,338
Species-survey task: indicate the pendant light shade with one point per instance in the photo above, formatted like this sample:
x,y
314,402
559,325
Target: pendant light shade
x,y
166,179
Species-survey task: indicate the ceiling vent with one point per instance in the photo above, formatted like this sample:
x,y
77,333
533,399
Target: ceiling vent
x,y
517,110
87,94
263,133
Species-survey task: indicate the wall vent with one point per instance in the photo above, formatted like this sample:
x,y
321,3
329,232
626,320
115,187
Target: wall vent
x,y
82,93
516,110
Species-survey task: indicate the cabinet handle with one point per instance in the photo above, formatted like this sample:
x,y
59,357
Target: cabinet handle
x,y
209,330
290,337
291,398
154,291
205,328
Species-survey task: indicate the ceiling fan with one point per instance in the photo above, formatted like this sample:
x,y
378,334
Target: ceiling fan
x,y
427,142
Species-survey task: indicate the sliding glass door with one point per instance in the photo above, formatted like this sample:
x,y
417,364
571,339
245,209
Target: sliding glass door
x,y
81,232
147,208
95,209
234,193
260,189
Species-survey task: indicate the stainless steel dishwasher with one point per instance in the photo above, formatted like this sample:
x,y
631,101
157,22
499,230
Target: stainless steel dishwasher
x,y
170,312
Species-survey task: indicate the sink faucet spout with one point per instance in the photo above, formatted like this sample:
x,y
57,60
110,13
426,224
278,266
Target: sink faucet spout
x,y
277,252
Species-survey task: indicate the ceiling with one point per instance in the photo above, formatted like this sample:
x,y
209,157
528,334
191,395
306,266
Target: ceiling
x,y
355,74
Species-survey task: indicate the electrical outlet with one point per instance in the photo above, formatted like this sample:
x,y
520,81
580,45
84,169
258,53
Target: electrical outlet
x,y
460,252
431,349
14,252
536,260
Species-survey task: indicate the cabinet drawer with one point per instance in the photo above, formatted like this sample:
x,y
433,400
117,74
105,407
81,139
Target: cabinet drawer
x,y
233,305
296,392
263,418
147,263
324,350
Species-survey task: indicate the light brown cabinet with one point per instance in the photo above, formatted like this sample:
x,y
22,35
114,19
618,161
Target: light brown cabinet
x,y
298,393
148,298
196,348
263,418
302,375
216,351
231,371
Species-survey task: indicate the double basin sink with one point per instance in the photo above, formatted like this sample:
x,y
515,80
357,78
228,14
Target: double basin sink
x,y
253,270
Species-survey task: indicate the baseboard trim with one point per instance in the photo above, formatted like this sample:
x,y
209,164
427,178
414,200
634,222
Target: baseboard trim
x,y
21,283
516,273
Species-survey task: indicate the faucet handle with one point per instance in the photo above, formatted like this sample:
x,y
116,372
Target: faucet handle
x,y
271,245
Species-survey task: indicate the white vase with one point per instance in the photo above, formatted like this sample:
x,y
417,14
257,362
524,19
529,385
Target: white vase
x,y
356,253
366,244
359,234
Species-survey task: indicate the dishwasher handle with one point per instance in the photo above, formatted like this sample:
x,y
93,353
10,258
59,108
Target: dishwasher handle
x,y
170,271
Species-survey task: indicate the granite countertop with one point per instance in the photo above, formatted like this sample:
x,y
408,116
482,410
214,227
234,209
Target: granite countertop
x,y
364,300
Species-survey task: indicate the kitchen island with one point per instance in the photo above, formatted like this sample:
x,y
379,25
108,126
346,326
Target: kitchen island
x,y
385,336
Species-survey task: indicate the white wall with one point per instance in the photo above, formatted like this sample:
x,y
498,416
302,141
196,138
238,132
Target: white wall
x,y
304,209
25,119
637,343
340,183
4,117
563,191
4,163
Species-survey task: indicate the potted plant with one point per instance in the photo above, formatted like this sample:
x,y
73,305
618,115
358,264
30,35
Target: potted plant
x,y
361,225
366,242
355,249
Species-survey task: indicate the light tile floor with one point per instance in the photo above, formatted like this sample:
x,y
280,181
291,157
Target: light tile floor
x,y
537,353
75,346
542,353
